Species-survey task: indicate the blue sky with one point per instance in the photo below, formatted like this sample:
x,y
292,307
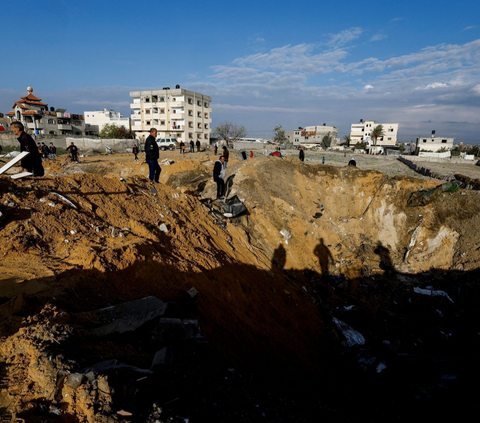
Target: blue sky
x,y
263,63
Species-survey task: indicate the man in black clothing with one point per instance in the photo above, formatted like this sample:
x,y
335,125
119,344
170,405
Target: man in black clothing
x,y
352,162
45,151
219,176
33,162
192,148
198,146
73,151
152,155
301,154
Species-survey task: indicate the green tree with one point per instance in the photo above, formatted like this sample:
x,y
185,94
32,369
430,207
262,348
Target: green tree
x,y
360,145
326,141
377,133
111,131
279,134
230,132
346,141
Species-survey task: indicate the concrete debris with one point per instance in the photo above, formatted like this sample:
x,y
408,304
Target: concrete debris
x,y
21,175
162,357
127,316
177,329
114,232
432,293
163,227
381,366
124,413
75,380
352,337
286,235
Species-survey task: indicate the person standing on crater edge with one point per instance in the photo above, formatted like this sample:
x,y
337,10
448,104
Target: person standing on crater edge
x,y
151,157
33,162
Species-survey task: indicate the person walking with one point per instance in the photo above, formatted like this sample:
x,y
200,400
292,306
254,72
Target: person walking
x,y
198,146
135,151
152,155
301,154
219,176
53,151
182,147
215,148
32,162
323,160
192,147
244,155
226,154
73,151
251,154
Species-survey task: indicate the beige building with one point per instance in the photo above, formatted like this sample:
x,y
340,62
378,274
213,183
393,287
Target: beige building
x,y
175,113
96,120
361,132
434,144
311,135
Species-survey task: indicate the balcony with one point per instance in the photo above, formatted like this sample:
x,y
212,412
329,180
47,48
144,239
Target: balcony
x,y
64,127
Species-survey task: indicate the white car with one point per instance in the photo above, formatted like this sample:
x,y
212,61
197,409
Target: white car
x,y
166,143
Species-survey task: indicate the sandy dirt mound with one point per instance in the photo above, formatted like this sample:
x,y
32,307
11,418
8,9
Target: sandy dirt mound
x,y
313,238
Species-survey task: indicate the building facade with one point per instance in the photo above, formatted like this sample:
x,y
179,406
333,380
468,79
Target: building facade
x,y
361,132
175,113
434,144
95,121
312,135
39,119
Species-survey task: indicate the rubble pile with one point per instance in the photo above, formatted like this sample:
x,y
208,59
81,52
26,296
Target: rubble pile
x,y
307,288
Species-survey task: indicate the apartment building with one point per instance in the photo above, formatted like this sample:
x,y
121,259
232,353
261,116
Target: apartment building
x,y
37,117
434,144
95,121
361,132
175,113
311,135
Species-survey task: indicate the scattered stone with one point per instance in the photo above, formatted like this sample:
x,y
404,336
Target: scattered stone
x,y
432,293
127,316
163,227
162,357
75,380
352,337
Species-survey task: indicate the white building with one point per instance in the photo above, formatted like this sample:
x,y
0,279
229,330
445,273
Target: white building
x,y
434,144
361,132
95,121
311,135
175,113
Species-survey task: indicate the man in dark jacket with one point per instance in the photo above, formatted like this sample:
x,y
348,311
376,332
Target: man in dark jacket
x,y
198,146
45,151
301,154
73,151
192,148
151,156
219,176
33,162
226,154
52,151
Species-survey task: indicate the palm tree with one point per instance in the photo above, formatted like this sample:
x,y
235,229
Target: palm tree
x,y
347,140
279,134
376,133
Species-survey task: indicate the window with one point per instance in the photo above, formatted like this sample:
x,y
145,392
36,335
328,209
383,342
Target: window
x,y
199,125
190,101
199,114
162,122
190,124
148,122
205,104
444,141
174,99
199,103
147,99
51,121
424,140
190,135
162,98
206,115
190,113
154,98
147,111
206,136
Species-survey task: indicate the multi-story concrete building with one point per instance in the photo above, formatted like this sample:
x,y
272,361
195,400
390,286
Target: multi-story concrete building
x,y
37,117
434,144
311,135
95,121
361,132
175,113
4,125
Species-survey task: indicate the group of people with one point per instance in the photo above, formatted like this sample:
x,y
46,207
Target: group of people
x,y
47,151
301,156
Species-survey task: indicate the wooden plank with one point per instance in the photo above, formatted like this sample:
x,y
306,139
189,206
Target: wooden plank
x,y
21,175
14,161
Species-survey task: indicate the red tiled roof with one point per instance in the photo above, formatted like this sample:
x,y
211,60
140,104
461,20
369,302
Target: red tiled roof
x,y
31,97
36,102
12,113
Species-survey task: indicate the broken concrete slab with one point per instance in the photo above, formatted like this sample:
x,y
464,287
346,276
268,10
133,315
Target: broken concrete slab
x,y
352,337
432,293
170,329
162,357
21,175
127,316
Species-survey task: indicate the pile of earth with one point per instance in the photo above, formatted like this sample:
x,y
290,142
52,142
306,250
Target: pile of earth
x,y
317,245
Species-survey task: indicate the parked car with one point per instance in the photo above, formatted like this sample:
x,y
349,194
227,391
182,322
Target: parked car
x,y
166,143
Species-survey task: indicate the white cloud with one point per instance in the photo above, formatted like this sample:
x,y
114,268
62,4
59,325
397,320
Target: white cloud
x,y
378,37
476,89
432,86
368,87
468,28
344,36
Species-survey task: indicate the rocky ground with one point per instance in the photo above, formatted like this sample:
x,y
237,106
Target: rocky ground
x,y
327,299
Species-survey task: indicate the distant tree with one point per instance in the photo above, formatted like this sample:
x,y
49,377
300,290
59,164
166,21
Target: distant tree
x,y
111,131
360,145
377,133
475,150
346,141
230,132
326,141
279,134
